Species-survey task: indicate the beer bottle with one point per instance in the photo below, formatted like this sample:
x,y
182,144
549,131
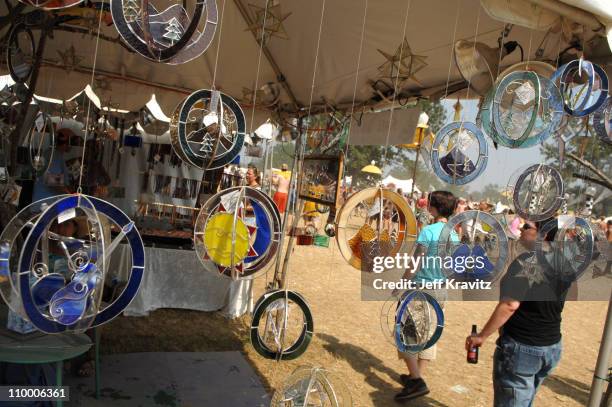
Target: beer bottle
x,y
472,355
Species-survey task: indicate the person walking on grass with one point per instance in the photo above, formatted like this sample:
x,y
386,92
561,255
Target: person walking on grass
x,y
441,207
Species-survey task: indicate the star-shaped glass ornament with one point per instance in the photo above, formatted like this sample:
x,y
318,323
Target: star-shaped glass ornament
x,y
531,269
402,64
268,24
69,59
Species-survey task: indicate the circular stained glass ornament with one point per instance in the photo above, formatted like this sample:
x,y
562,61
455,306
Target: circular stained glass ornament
x,y
538,193
66,294
516,117
41,143
473,245
282,325
374,222
172,35
573,248
237,232
208,129
459,153
20,52
583,86
602,121
415,330
312,386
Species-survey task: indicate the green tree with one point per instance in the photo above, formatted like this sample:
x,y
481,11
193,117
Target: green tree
x,y
589,148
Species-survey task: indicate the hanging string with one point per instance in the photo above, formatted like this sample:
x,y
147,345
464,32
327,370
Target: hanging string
x,y
261,42
452,50
93,74
348,136
214,78
474,50
399,70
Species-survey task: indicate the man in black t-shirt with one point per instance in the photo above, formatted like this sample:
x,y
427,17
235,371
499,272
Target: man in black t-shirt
x,y
528,318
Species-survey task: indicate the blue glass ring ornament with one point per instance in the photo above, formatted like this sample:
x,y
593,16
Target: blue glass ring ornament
x,y
208,129
456,167
237,232
11,244
20,52
538,193
571,251
548,118
413,328
602,122
481,236
169,36
597,80
527,91
58,302
272,311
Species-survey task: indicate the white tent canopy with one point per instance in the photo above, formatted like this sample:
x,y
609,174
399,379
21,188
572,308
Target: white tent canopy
x,y
128,80
404,184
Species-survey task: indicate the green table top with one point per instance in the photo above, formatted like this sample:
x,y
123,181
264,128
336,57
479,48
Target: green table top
x,y
43,348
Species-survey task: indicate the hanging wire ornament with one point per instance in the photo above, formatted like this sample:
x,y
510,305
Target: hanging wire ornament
x,y
523,109
169,36
602,121
415,329
538,193
480,237
583,85
208,129
51,4
237,232
41,143
453,156
395,226
20,52
573,248
282,325
66,294
312,386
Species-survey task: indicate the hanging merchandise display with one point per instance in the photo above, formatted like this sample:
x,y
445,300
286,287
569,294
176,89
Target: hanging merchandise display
x,y
582,96
395,226
208,129
459,153
41,143
473,246
170,36
415,330
320,179
282,325
312,386
20,52
56,274
602,121
237,232
538,193
523,109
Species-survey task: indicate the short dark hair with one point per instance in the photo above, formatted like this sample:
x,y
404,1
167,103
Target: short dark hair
x,y
444,202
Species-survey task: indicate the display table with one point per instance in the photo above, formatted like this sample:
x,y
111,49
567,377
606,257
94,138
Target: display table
x,y
40,349
177,279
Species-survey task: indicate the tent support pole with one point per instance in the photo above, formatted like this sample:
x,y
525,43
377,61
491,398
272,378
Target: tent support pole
x,y
279,74
280,276
601,370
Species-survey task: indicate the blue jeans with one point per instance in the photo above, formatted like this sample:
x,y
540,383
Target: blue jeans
x,y
518,371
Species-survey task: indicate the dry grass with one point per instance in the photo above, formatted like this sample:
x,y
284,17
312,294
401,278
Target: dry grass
x,y
349,340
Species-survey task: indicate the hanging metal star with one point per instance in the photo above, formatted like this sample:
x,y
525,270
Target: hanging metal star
x,y
102,83
69,59
531,270
269,23
403,64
